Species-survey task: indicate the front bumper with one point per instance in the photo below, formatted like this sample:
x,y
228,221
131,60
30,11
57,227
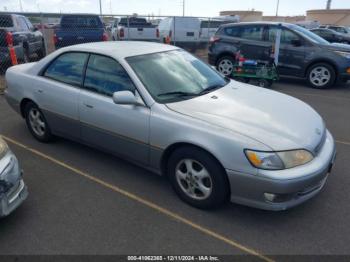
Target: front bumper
x,y
13,189
302,182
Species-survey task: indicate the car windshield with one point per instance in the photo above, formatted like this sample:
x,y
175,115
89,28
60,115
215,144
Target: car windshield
x,y
175,75
308,34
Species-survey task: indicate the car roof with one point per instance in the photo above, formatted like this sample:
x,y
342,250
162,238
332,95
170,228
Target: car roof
x,y
121,49
257,23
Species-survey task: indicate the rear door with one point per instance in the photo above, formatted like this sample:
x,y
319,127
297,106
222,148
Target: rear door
x,y
186,29
58,91
292,51
252,44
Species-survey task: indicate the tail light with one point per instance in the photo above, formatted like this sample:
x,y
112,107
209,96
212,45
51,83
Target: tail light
x,y
214,39
9,38
121,32
55,39
104,37
170,33
157,33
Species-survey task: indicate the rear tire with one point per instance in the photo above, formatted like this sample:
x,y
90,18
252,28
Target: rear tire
x,y
321,76
198,178
225,65
37,123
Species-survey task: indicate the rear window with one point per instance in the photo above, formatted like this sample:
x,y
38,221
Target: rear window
x,y
211,24
134,21
6,21
232,31
81,21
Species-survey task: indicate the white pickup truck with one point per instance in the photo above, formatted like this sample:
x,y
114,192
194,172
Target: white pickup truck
x,y
134,28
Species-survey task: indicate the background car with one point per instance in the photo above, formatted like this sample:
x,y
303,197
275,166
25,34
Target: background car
x,y
162,108
337,28
13,191
18,31
184,31
134,28
79,28
302,53
331,35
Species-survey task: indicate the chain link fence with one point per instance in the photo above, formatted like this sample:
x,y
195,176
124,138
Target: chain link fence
x,y
28,37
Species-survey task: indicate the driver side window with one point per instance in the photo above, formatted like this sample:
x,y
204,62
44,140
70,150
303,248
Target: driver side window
x,y
287,36
105,76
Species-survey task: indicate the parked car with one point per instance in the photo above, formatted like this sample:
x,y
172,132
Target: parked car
x,y
184,31
79,28
331,35
209,26
18,31
13,191
161,107
339,29
134,28
302,53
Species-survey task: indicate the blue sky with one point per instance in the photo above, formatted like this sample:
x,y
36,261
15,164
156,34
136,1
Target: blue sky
x,y
171,7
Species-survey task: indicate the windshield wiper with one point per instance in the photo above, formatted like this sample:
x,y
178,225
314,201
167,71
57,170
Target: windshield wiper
x,y
210,88
178,93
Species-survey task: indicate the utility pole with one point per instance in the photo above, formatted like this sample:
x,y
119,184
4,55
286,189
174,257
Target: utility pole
x,y
278,4
329,2
20,5
100,8
183,7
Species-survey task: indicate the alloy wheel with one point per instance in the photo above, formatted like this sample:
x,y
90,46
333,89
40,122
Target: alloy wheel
x,y
194,179
37,122
225,67
320,76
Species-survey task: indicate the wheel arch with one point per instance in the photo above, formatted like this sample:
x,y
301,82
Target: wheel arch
x,y
23,104
225,53
325,61
171,148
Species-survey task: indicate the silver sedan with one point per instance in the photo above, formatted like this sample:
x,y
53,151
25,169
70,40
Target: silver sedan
x,y
160,107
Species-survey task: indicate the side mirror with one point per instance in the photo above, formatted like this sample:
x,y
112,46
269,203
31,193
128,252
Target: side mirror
x,y
125,98
35,29
296,42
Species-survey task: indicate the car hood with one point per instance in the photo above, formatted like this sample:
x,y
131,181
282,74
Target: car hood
x,y
279,121
337,47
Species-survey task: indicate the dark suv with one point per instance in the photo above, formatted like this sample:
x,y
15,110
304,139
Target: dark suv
x,y
18,31
302,53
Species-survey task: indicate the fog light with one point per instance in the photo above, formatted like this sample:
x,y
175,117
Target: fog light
x,y
269,197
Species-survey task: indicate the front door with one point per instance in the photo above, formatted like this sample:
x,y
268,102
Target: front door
x,y
292,51
120,129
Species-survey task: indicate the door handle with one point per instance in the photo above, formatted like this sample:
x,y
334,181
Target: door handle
x,y
40,91
88,105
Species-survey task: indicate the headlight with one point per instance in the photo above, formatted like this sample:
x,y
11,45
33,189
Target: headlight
x,y
278,160
3,148
344,54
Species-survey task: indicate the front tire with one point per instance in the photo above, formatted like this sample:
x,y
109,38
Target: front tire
x,y
37,123
198,178
42,52
321,76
